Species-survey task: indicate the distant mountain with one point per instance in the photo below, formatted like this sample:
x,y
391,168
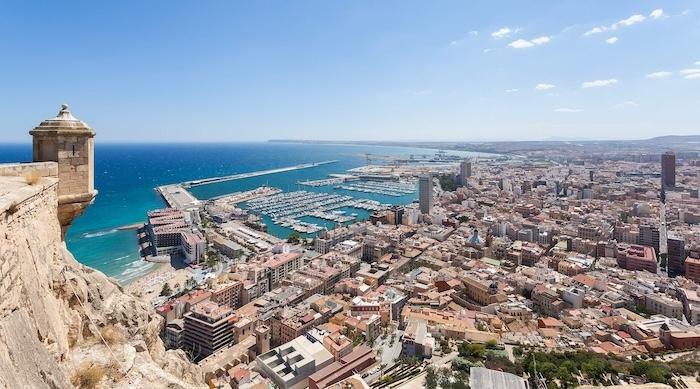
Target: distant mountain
x,y
566,139
675,138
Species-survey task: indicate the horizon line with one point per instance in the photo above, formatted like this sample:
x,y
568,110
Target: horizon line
x,y
364,141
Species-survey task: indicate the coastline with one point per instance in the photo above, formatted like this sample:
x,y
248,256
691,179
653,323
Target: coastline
x,y
148,286
159,267
104,235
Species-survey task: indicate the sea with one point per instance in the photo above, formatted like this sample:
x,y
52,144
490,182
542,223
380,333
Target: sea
x,y
126,176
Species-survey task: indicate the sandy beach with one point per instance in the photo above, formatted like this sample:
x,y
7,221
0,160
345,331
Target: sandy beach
x,y
149,286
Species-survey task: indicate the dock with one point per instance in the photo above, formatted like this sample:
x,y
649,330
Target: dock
x,y
286,209
178,197
213,180
333,179
240,197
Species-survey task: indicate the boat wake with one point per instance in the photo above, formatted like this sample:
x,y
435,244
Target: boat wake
x,y
89,235
121,258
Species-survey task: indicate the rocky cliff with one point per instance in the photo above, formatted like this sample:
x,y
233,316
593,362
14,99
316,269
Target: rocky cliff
x,y
63,324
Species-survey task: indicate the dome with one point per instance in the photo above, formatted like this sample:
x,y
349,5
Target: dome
x,y
64,121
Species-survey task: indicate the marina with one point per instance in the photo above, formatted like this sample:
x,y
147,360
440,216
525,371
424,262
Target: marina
x,y
286,209
388,188
333,179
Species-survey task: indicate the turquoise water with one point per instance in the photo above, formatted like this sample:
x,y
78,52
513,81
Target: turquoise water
x,y
126,175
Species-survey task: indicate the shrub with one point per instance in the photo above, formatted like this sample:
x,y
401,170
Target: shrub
x,y
472,350
112,335
491,344
88,377
32,177
517,351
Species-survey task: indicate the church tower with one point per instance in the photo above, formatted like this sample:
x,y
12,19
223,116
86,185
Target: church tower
x,y
69,142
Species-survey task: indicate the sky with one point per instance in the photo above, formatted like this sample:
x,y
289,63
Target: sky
x,y
227,71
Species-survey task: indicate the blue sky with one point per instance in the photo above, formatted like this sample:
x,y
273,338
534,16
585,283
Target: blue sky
x,y
360,70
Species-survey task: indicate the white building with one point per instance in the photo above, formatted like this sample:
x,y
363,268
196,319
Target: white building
x,y
291,364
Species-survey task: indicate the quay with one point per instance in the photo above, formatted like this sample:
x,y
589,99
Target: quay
x,y
333,179
212,180
178,197
241,197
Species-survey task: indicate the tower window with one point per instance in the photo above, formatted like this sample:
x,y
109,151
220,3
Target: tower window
x,y
74,150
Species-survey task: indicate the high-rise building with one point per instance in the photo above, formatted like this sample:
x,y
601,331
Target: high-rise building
x,y
425,194
676,256
668,169
465,171
208,328
649,236
69,142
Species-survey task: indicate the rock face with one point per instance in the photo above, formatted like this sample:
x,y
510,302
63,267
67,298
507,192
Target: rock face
x,y
59,319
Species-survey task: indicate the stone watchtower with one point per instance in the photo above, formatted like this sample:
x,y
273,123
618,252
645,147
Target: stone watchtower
x,y
69,142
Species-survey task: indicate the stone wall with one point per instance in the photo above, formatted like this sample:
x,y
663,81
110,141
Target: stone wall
x,y
56,313
43,169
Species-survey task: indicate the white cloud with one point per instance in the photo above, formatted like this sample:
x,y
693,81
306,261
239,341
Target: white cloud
x,y
474,33
697,63
542,86
503,32
521,44
634,19
596,30
630,104
611,41
598,83
568,110
657,13
692,76
541,40
661,74
524,44
689,71
512,90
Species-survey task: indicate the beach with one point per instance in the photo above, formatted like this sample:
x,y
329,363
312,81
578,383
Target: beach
x,y
149,286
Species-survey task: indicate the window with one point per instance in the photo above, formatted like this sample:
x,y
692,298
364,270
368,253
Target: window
x,y
74,150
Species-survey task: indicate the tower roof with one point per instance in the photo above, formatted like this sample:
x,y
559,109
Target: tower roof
x,y
63,122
